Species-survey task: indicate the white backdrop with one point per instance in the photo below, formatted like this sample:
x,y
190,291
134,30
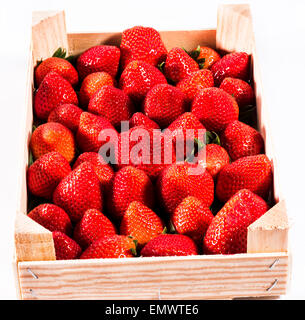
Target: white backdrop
x,y
279,28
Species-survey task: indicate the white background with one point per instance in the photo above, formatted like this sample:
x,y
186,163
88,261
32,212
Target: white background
x,y
279,28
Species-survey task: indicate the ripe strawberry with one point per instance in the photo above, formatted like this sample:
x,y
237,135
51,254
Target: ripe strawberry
x,y
52,136
169,245
101,58
144,44
194,82
66,114
205,56
178,65
129,184
176,182
61,66
53,91
215,108
140,119
164,104
91,84
227,233
79,191
235,65
102,169
253,173
93,225
65,247
241,140
45,173
116,246
138,78
52,218
141,223
112,104
90,128
239,89
192,218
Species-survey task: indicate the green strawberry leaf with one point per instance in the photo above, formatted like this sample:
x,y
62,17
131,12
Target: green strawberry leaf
x,y
164,230
172,228
60,53
212,137
161,66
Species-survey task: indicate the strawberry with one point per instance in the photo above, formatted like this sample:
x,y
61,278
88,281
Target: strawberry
x,y
192,218
239,89
65,247
112,104
91,84
138,78
241,140
101,58
253,173
61,66
194,82
164,103
143,44
45,173
78,192
66,114
205,56
141,223
177,181
90,128
178,65
140,119
52,136
129,184
116,246
234,65
215,108
93,225
227,233
53,91
169,245
52,218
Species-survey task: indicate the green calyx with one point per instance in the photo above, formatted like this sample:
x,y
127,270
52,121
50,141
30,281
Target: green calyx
x,y
60,53
212,137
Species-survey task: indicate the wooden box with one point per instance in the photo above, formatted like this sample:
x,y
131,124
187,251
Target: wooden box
x,y
262,271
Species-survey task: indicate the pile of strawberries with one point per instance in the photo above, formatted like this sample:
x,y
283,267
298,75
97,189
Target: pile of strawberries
x,y
97,209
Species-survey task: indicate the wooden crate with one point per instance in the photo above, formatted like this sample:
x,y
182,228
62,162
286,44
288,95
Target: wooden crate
x,y
262,271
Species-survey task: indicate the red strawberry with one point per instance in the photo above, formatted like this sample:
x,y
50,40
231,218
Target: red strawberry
x,y
65,247
90,128
129,184
53,91
138,78
227,233
66,114
112,104
177,181
142,43
170,245
140,119
179,64
194,82
116,246
93,225
240,90
192,218
52,218
45,173
241,140
52,136
141,223
205,56
91,84
97,59
61,66
253,173
79,191
234,65
164,104
215,108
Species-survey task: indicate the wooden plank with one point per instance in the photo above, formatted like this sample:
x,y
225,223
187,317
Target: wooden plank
x,y
192,277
